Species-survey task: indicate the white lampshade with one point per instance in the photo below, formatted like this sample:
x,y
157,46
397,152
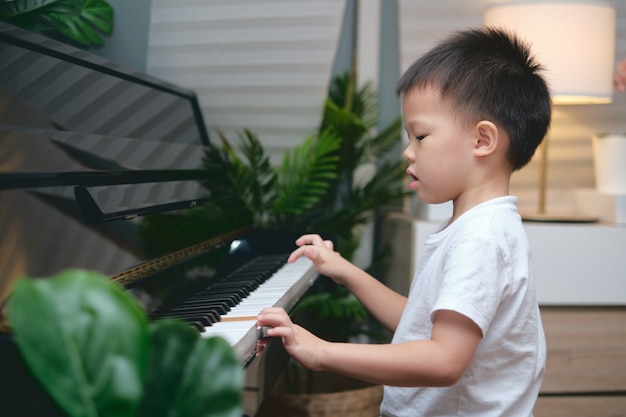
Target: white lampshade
x,y
573,40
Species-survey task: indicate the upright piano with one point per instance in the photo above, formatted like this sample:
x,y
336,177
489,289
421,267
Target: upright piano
x,y
88,149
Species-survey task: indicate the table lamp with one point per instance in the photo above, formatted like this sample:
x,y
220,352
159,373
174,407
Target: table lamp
x,y
575,43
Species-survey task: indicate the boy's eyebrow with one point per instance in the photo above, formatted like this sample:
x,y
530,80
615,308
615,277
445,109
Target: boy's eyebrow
x,y
416,120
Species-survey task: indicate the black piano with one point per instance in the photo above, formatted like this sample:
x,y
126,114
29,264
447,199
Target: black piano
x,y
88,150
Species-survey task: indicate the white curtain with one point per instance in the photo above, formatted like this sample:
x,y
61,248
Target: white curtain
x,y
260,65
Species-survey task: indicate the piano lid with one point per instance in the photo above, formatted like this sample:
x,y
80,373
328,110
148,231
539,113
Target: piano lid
x,y
78,91
87,146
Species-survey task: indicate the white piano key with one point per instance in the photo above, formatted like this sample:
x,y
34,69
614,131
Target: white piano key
x,y
283,289
232,331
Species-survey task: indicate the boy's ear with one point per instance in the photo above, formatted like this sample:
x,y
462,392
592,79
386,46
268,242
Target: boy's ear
x,y
486,138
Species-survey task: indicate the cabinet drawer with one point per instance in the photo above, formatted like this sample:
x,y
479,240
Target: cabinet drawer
x,y
586,365
589,406
586,349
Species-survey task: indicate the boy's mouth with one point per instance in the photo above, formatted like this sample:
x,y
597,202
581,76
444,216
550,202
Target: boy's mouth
x,y
414,180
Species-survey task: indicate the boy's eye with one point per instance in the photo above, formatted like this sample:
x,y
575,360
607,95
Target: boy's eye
x,y
420,137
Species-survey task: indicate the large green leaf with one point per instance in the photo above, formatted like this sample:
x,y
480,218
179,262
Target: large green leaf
x,y
82,21
14,8
190,376
84,339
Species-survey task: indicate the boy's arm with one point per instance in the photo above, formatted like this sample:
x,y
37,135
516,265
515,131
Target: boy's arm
x,y
383,303
439,361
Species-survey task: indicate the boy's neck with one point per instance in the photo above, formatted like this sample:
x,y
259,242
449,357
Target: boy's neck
x,y
495,187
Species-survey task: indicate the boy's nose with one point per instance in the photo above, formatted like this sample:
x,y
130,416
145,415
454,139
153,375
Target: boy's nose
x,y
408,154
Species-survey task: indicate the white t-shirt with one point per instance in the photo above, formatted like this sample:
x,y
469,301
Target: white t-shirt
x,y
479,266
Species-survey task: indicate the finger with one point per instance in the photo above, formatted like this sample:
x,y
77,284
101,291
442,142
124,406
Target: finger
x,y
273,317
286,333
296,254
307,251
310,239
269,310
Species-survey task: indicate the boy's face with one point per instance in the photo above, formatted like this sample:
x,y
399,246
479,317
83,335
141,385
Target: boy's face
x,y
440,148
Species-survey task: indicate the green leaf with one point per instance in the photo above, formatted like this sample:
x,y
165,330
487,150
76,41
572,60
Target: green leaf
x,y
84,339
257,175
13,8
212,383
241,186
190,376
380,145
81,27
82,21
362,102
305,174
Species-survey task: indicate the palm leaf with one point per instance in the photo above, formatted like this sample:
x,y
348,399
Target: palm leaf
x,y
240,180
258,174
233,180
362,102
220,179
362,202
303,177
380,145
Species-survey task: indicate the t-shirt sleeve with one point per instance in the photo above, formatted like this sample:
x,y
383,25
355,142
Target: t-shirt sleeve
x,y
474,280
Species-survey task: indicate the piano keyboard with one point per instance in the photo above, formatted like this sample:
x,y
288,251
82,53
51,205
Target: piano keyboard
x,y
237,322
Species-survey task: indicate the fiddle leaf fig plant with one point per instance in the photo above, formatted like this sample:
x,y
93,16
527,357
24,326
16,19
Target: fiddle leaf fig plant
x,y
82,21
96,354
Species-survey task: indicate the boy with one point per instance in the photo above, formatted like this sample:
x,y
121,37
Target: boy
x,y
468,340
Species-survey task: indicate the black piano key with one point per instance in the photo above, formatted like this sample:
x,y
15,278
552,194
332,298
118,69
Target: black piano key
x,y
206,306
206,318
225,299
198,326
228,296
232,296
195,309
221,308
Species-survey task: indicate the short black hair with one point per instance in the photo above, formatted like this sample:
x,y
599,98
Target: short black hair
x,y
488,74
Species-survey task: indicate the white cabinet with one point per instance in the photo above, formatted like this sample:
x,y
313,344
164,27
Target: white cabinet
x,y
575,263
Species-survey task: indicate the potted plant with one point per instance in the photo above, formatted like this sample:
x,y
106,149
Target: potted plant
x,y
89,345
317,188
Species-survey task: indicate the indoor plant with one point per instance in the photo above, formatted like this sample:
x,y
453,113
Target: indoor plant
x,y
316,188
96,354
248,191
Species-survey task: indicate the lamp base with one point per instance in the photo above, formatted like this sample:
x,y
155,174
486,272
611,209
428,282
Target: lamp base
x,y
558,218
